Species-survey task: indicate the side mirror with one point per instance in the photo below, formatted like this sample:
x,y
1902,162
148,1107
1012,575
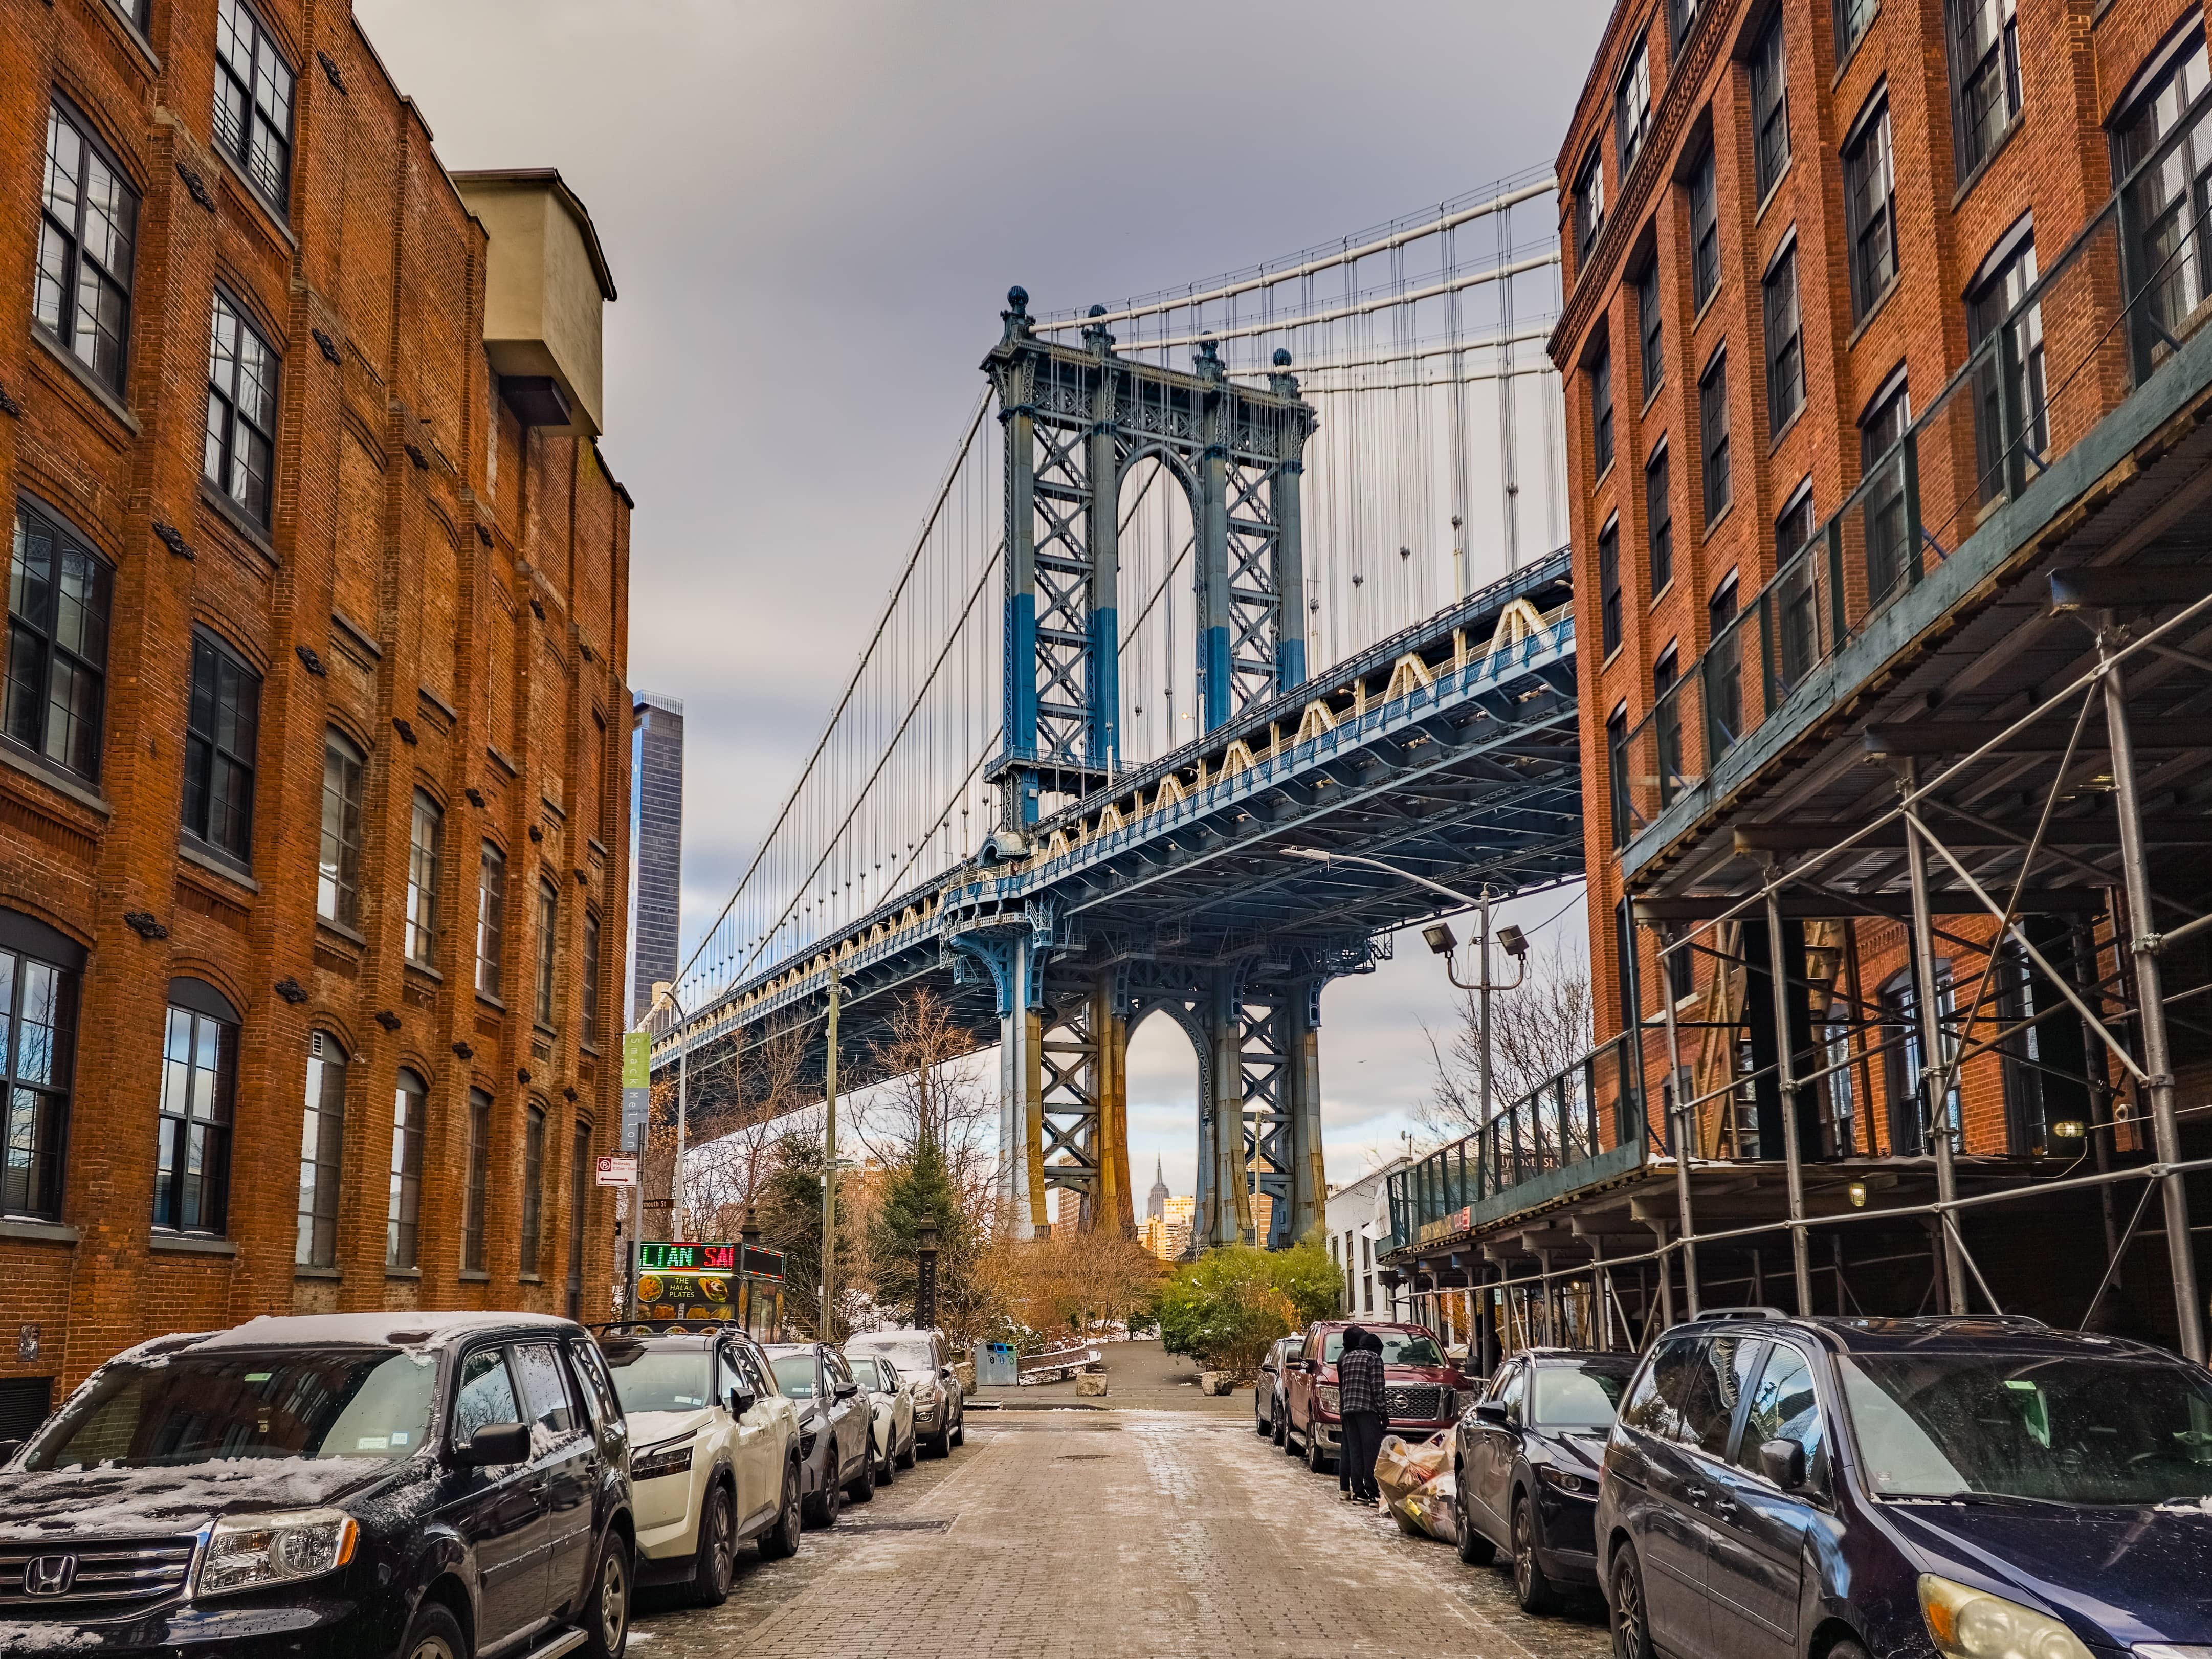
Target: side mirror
x,y
742,1401
1491,1412
944,1374
1782,1461
494,1443
847,1390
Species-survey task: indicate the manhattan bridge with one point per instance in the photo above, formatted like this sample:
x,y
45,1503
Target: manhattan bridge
x,y
1263,566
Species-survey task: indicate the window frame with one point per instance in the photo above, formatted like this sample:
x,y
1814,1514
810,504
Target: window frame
x,y
491,904
579,1194
1683,17
322,1153
1659,517
1988,301
1608,587
548,938
425,866
1782,314
1853,19
1716,462
1590,203
262,51
1974,140
339,875
221,465
403,1215
1651,331
2164,219
1770,105
1703,188
171,1184
43,1158
1601,422
66,328
475,1195
589,1026
533,1194
63,543
1870,160
205,752
1891,406
1631,123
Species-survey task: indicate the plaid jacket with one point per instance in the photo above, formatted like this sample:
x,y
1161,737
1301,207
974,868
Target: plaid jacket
x,y
1359,1382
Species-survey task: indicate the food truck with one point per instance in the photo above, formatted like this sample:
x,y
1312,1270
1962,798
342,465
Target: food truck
x,y
693,1282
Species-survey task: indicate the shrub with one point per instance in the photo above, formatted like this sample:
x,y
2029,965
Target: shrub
x,y
1228,1306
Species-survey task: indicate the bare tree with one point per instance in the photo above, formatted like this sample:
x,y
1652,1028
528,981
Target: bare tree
x,y
1535,1033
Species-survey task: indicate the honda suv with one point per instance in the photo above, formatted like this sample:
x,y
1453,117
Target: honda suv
x,y
1421,1389
1952,1487
344,1484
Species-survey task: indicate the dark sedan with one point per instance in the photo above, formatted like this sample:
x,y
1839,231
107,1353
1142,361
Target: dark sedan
x,y
1527,1456
835,1421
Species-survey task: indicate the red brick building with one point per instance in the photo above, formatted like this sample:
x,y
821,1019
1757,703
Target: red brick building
x,y
311,849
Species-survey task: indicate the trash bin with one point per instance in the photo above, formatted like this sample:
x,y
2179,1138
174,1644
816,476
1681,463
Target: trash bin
x,y
996,1365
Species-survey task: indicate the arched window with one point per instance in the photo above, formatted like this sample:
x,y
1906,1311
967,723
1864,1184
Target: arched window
x,y
337,878
1910,1130
39,970
479,1168
199,1086
403,1203
425,832
533,1188
579,1194
322,1137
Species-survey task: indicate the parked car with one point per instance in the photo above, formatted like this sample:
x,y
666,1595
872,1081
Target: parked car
x,y
713,1455
892,1406
1270,1407
925,1360
834,1424
1420,1390
1527,1456
342,1484
1958,1487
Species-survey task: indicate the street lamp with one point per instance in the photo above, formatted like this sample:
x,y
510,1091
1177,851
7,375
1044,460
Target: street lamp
x,y
665,992
925,1276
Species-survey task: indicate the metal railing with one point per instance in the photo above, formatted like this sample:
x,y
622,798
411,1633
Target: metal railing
x,y
2116,305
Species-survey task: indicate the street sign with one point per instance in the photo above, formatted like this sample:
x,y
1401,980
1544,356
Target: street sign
x,y
620,1170
636,1087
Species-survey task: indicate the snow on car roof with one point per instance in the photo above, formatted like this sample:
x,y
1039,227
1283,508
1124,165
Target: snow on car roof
x,y
372,1329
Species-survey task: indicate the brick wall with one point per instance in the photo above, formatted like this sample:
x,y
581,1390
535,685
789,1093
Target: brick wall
x,y
404,593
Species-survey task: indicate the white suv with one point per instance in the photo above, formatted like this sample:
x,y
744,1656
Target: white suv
x,y
713,1455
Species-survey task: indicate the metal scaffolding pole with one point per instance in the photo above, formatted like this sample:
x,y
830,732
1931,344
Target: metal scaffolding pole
x,y
1954,1275
1684,1134
2150,994
1791,1152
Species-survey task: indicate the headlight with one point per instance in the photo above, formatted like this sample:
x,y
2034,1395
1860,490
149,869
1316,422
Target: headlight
x,y
268,1549
1564,1482
1326,1395
657,1461
1972,1624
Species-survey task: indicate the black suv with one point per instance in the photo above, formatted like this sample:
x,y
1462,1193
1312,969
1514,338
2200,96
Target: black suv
x,y
1954,1487
437,1486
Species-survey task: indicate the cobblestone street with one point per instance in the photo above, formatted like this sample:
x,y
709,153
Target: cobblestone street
x,y
1073,1533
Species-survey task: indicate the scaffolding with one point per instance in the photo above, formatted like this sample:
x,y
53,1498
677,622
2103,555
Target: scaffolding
x,y
1913,949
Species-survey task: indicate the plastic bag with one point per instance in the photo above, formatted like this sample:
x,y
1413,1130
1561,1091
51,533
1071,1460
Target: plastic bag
x,y
1432,1508
1403,1467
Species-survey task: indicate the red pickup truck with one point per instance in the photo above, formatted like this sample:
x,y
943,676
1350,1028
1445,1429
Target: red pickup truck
x,y
1422,1390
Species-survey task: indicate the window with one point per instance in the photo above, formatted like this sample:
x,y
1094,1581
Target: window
x,y
403,1203
1985,76
425,835
591,1023
1659,520
1609,584
1770,106
81,296
1713,430
579,1194
486,1395
1853,19
338,882
2169,201
544,1392
1870,210
1785,341
1589,205
1667,719
1724,669
219,730
472,1214
533,1188
58,595
1647,329
253,101
1600,376
1910,1124
1632,108
1616,753
1889,548
39,970
2004,284
1704,234
491,898
1842,1100
241,429
548,916
1681,17
1793,526
322,1144
199,1082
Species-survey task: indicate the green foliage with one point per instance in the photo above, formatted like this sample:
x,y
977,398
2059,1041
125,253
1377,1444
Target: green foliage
x,y
919,1193
789,1211
1227,1306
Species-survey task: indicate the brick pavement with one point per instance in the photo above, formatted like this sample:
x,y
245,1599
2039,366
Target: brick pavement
x,y
1066,1535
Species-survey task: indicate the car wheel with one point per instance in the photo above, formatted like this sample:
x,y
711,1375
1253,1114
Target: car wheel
x,y
887,1467
861,1489
434,1634
718,1543
1474,1549
781,1540
822,1508
912,1455
1631,1613
1283,1433
1317,1460
1530,1587
606,1612
960,1428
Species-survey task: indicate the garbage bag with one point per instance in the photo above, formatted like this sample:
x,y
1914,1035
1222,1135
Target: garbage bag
x,y
1403,1467
1432,1508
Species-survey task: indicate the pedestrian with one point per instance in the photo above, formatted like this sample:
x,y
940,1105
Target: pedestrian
x,y
1360,1404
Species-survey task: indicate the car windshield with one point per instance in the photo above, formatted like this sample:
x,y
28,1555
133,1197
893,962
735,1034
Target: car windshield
x,y
2066,1429
191,1408
661,1379
913,1357
1581,1396
795,1375
1398,1348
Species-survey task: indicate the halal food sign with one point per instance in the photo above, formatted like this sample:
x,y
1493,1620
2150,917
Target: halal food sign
x,y
685,1275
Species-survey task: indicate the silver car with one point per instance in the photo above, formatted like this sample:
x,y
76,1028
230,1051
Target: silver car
x,y
893,1440
924,1359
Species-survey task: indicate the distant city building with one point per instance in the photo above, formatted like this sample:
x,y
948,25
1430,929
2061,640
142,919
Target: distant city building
x,y
656,813
1358,1218
1166,1231
1156,1204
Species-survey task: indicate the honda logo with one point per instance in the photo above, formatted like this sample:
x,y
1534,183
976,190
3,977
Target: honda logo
x,y
49,1575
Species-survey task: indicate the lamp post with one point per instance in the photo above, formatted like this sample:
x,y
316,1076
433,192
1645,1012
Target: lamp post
x,y
925,1276
830,1167
665,992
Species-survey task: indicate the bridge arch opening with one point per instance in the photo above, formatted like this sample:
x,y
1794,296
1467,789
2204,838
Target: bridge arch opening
x,y
1158,605
1166,1091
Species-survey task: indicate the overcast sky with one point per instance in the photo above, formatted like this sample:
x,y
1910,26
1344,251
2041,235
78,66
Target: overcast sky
x,y
813,211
